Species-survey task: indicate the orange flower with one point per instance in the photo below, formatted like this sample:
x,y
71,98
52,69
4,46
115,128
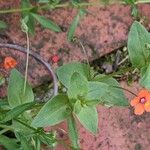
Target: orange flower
x,y
9,63
141,103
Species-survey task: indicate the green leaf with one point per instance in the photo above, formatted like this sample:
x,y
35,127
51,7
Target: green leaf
x,y
89,118
30,23
16,111
74,24
53,112
30,20
8,143
25,4
114,96
138,40
46,23
78,86
145,79
3,25
73,27
73,134
96,90
16,96
65,72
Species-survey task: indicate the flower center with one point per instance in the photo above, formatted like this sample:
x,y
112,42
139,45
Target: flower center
x,y
142,100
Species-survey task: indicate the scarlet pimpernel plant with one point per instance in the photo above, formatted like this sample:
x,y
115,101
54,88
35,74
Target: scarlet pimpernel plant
x,y
85,88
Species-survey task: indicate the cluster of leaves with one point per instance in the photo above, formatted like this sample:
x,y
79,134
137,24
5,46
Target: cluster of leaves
x,y
85,90
16,116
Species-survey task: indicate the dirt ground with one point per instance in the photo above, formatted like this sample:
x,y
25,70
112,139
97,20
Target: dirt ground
x,y
101,31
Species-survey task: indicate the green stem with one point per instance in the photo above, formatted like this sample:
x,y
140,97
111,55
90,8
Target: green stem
x,y
73,134
27,62
6,127
3,131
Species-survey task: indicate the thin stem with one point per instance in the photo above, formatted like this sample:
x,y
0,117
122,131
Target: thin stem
x,y
3,131
27,62
38,58
6,127
84,51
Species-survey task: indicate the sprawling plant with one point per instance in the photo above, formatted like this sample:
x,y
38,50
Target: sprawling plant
x,y
85,88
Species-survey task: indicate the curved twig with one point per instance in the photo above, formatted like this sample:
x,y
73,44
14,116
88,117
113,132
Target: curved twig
x,y
38,58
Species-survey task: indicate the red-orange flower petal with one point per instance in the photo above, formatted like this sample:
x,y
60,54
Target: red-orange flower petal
x,y
147,106
147,97
143,93
9,63
139,109
135,101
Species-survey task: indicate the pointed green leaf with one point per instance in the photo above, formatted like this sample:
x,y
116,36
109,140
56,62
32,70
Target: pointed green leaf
x,y
46,23
114,96
8,143
53,112
138,40
30,21
16,96
96,90
74,24
89,118
31,24
78,86
18,110
65,72
73,134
